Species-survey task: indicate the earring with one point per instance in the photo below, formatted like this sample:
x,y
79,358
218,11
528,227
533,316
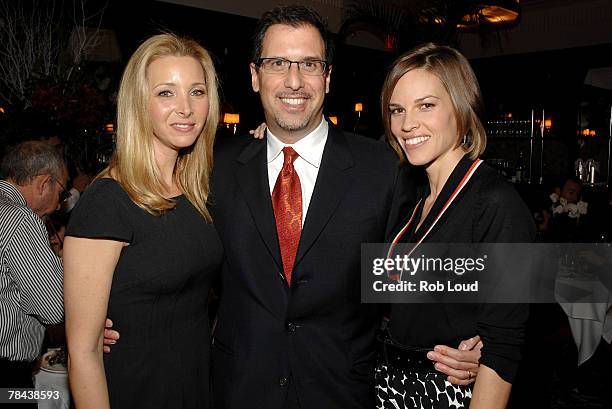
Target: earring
x,y
465,139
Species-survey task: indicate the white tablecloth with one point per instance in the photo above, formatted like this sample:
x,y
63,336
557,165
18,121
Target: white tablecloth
x,y
51,381
589,321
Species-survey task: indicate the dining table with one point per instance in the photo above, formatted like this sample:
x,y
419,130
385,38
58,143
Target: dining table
x,y
588,306
52,379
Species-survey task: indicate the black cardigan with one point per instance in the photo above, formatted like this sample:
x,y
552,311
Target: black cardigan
x,y
488,210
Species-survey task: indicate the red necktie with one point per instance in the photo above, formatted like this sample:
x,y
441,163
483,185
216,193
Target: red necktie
x,y
287,204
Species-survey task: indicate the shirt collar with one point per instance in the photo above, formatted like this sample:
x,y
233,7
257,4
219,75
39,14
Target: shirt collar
x,y
310,148
10,192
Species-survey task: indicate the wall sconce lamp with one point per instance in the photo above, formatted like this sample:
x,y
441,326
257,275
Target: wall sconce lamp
x,y
231,121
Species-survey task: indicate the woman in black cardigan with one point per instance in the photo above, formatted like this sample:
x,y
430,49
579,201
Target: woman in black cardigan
x,y
431,103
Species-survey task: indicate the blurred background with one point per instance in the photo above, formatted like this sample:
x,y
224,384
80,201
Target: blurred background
x,y
542,64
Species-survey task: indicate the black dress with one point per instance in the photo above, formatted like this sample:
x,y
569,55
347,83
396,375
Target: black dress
x,y
158,300
487,210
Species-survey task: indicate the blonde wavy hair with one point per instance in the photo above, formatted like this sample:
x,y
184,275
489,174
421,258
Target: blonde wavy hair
x,y
457,76
133,164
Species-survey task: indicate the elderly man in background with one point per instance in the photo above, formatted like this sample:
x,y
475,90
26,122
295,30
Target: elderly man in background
x,y
33,185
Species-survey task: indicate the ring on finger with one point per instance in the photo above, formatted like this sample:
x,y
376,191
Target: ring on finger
x,y
469,374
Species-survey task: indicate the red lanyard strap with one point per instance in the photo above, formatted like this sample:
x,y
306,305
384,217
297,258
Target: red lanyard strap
x,y
466,178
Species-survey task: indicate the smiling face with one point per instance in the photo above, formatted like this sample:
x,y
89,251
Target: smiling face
x,y
423,119
292,102
178,102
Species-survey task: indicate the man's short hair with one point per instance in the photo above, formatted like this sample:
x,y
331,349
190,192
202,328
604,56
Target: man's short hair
x,y
32,158
294,16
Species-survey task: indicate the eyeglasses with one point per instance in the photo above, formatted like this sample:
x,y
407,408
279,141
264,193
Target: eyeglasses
x,y
277,65
64,194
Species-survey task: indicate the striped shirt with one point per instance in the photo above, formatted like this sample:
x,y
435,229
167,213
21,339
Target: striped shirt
x,y
31,278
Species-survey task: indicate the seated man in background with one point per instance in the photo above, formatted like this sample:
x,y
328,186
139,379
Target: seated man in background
x,y
33,185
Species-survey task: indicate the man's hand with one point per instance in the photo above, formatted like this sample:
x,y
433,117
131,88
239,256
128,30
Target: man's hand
x,y
259,132
110,336
461,365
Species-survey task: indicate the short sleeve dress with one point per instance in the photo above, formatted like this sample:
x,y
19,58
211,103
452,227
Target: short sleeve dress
x,y
158,299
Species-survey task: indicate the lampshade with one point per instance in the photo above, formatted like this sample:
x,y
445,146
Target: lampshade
x,y
495,12
231,118
333,119
548,123
587,132
500,11
358,107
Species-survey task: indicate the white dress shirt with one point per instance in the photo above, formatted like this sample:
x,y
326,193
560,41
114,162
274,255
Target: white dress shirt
x,y
310,151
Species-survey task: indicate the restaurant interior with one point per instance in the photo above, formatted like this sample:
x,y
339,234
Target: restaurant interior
x,y
544,67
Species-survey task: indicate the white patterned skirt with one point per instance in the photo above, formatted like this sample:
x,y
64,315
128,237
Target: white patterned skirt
x,y
398,388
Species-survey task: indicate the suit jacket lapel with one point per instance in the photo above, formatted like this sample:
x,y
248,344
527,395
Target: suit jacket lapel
x,y
332,182
253,180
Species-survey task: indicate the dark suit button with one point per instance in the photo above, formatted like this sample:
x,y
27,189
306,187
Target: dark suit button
x,y
282,381
291,327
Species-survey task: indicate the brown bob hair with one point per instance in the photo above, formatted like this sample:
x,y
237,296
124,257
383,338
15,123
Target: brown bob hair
x,y
459,80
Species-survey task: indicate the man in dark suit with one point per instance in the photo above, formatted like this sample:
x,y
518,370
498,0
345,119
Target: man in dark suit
x,y
292,211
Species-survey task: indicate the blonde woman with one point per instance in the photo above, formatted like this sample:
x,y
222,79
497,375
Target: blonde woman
x,y
140,245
